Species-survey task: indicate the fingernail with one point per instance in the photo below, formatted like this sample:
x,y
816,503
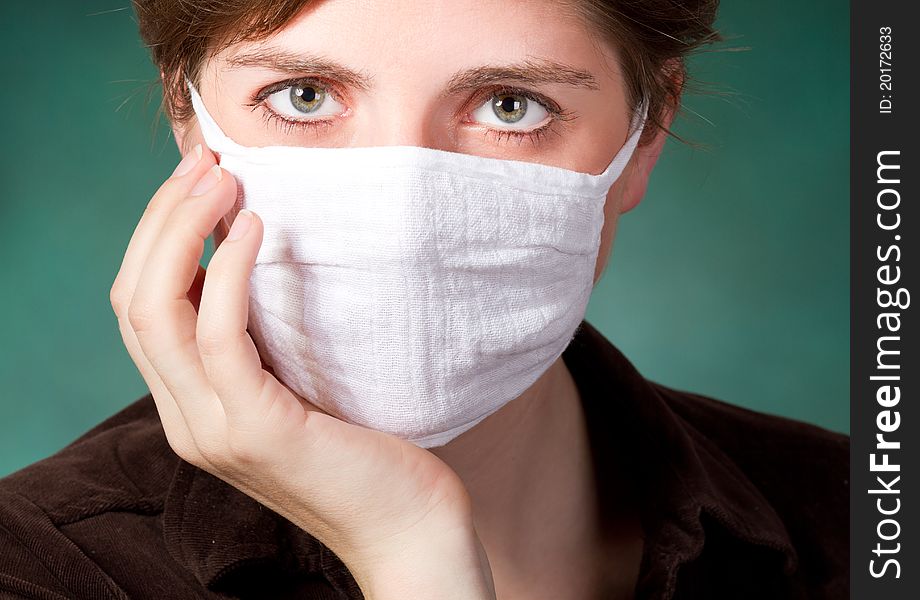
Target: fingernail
x,y
188,162
240,225
208,181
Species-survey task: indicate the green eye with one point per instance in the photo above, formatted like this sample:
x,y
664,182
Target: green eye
x,y
509,108
304,101
308,98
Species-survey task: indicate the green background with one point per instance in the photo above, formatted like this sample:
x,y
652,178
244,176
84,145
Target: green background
x,y
729,279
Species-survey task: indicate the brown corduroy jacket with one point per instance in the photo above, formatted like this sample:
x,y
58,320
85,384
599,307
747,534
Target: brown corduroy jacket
x,y
735,504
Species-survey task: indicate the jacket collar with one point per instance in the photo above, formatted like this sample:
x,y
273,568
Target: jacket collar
x,y
215,530
679,473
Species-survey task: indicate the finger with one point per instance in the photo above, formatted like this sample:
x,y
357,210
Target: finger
x,y
248,390
180,182
174,189
229,356
174,426
161,314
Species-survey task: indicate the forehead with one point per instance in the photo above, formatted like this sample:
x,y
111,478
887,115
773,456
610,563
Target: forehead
x,y
423,37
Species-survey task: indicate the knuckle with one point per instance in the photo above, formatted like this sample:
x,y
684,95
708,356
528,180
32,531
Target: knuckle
x,y
214,452
165,194
243,451
140,316
120,298
161,200
185,449
212,341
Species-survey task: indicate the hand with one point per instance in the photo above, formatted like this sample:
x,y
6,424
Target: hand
x,y
396,515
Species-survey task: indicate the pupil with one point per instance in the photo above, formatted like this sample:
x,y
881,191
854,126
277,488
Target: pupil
x,y
508,104
307,94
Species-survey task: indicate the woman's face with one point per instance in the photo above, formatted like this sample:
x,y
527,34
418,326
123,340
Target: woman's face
x,y
513,79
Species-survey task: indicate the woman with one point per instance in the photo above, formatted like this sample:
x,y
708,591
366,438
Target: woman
x,y
279,455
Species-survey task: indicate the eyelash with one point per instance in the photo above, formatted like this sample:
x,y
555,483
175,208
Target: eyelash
x,y
270,117
557,115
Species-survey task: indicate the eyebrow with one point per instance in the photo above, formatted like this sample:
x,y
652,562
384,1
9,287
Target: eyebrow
x,y
533,71
298,64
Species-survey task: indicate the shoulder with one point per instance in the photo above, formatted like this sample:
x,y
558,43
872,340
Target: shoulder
x,y
123,463
802,470
49,508
759,442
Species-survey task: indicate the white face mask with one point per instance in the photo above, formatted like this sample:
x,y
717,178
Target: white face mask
x,y
411,290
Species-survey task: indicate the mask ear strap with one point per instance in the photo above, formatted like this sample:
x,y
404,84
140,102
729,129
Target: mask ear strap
x,y
636,126
640,116
215,138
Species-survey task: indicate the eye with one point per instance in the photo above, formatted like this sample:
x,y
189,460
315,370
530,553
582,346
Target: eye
x,y
304,99
510,111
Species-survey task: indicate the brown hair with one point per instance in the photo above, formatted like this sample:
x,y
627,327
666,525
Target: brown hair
x,y
653,37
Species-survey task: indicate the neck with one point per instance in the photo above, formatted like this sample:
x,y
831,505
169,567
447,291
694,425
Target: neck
x,y
529,472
